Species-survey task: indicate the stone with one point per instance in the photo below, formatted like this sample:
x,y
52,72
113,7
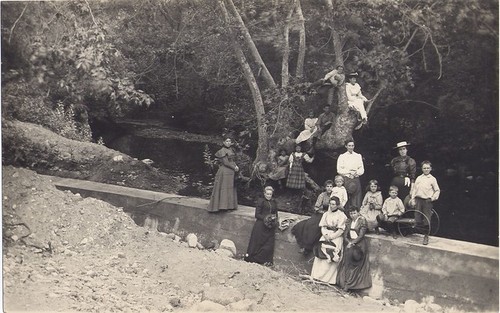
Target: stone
x,y
118,158
192,240
175,302
121,255
411,306
222,295
242,306
208,306
228,245
200,246
177,238
433,307
84,241
224,252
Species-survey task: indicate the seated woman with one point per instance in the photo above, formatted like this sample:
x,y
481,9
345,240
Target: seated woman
x,y
309,128
261,246
355,98
328,252
307,232
281,171
354,268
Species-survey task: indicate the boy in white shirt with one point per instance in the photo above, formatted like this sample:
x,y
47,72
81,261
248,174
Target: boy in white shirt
x,y
392,209
425,191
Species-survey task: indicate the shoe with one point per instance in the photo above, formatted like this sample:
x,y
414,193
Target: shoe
x,y
377,231
359,126
394,236
426,240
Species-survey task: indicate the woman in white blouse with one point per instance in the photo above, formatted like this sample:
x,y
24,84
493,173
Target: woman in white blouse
x,y
355,98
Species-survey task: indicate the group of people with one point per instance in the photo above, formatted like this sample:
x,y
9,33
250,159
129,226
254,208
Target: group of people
x,y
335,233
355,98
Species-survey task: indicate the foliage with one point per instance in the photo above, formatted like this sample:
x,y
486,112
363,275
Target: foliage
x,y
70,57
21,104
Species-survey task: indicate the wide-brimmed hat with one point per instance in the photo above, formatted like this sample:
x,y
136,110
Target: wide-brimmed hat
x,y
353,74
401,144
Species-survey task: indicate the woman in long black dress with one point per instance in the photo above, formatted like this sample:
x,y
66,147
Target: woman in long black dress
x,y
224,196
261,246
354,268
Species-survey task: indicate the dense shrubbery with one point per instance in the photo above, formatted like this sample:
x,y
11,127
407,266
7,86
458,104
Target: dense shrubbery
x,y
21,102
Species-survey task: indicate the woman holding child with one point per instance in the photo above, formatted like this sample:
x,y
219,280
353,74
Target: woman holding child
x,y
328,252
307,232
354,268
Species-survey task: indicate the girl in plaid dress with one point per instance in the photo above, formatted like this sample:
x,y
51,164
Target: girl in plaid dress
x,y
297,177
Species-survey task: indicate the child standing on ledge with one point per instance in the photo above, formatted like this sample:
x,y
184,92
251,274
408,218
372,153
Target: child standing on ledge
x,y
424,192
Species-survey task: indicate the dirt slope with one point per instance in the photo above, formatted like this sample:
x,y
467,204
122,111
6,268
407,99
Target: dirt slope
x,y
65,253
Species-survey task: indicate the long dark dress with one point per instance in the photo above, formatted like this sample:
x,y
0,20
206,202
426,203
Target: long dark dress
x,y
307,232
355,274
224,194
261,246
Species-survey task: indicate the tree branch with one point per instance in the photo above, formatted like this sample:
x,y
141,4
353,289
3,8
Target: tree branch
x,y
370,104
15,23
411,38
91,14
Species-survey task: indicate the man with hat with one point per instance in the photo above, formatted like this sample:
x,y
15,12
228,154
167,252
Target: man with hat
x,y
405,170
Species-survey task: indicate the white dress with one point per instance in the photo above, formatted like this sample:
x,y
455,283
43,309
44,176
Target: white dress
x,y
309,130
324,269
355,98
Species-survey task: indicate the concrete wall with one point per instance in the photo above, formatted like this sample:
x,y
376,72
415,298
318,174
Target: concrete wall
x,y
456,273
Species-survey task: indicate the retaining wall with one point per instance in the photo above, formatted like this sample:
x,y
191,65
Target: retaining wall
x,y
456,273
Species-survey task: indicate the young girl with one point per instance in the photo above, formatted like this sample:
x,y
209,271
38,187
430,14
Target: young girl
x,y
281,170
340,191
297,177
372,205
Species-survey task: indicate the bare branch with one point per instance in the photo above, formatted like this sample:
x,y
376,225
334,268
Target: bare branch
x,y
15,23
91,14
411,38
422,102
370,103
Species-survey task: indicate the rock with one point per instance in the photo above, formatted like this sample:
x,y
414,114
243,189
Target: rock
x,y
14,238
228,245
121,255
371,300
147,161
224,252
170,236
118,158
192,240
222,295
208,306
177,238
411,306
200,246
433,307
243,305
84,241
175,302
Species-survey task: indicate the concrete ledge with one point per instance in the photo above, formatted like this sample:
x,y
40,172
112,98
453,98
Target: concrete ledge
x,y
456,273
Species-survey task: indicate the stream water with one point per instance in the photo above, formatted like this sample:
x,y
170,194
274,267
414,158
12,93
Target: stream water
x,y
468,205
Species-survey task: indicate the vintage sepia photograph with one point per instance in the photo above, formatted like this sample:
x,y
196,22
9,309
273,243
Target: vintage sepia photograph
x,y
250,155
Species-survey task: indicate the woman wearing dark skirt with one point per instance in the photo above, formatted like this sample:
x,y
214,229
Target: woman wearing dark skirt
x,y
405,170
354,268
224,193
307,232
261,246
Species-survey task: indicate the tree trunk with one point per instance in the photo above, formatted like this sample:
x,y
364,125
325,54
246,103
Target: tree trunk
x,y
268,79
285,73
299,72
345,121
254,88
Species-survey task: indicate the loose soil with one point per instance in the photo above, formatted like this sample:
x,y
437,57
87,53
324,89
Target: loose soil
x,y
62,252
65,253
